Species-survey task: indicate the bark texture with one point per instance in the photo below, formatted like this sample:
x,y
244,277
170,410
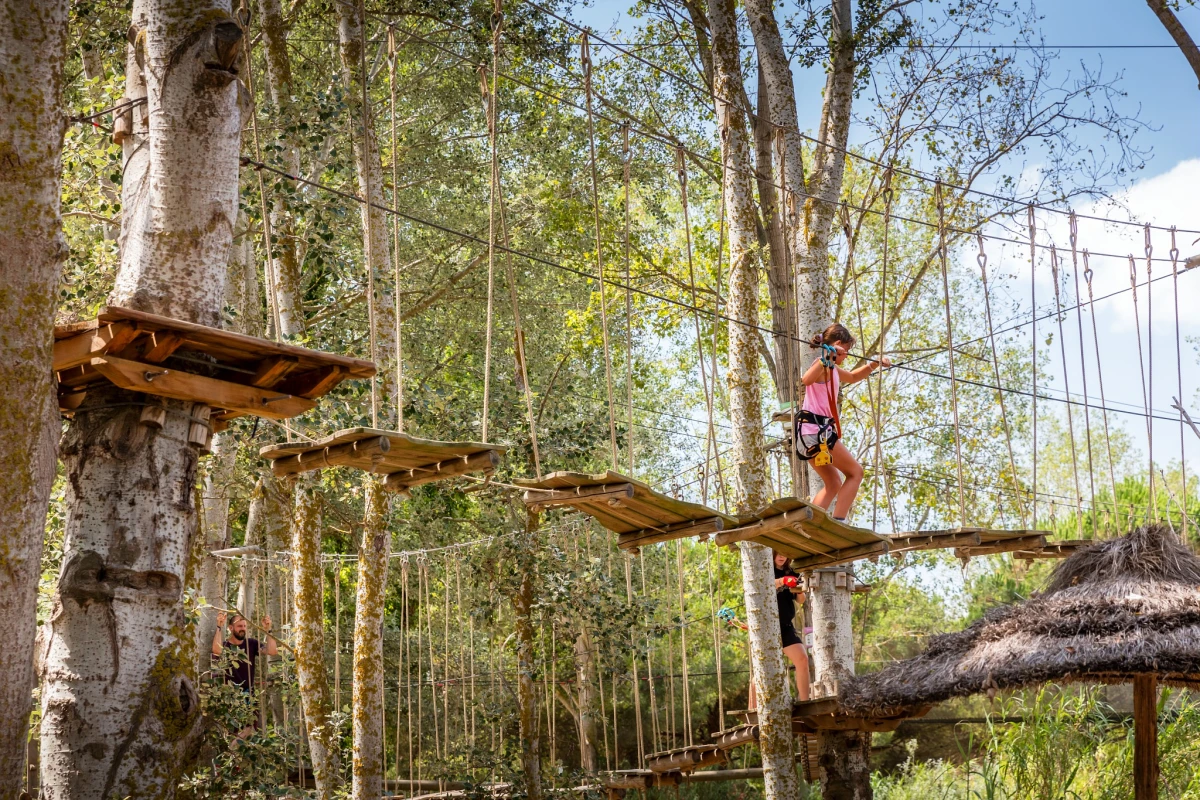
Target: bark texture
x,y
526,690
586,703
1166,15
373,552
308,632
844,756
120,714
214,572
745,400
32,122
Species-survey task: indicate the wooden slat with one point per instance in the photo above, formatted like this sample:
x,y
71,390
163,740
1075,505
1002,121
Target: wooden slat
x,y
163,382
843,556
549,498
314,383
271,370
82,348
411,478
986,548
932,540
785,519
676,530
160,346
350,453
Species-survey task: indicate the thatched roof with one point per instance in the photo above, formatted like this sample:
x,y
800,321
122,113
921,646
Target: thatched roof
x,y
1115,609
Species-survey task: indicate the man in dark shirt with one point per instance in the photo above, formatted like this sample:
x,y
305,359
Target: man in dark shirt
x,y
245,661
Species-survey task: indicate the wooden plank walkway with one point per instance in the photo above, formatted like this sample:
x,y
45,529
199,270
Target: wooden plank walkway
x,y
234,374
405,460
638,514
807,534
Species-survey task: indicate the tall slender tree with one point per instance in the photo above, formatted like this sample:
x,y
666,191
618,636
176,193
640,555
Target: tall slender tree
x,y
745,401
32,122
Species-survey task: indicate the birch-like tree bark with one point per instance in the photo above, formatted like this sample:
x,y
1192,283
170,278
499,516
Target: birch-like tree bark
x,y
120,713
252,576
587,703
308,633
745,401
842,755
527,722
373,552
32,123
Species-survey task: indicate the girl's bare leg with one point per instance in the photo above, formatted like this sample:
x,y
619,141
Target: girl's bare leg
x,y
797,655
848,466
833,483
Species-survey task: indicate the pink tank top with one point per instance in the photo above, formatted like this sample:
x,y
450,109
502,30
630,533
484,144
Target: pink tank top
x,y
816,400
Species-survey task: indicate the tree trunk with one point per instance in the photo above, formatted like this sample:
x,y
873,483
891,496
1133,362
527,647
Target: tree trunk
x,y
214,572
745,400
32,122
844,756
1166,15
1145,737
248,586
120,714
376,241
587,704
373,552
308,634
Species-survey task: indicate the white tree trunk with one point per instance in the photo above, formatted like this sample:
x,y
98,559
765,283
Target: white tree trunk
x,y
843,755
120,715
745,400
376,239
527,720
586,702
214,572
373,552
308,634
248,586
32,121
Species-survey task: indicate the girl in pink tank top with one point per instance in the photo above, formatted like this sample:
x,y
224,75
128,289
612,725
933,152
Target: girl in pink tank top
x,y
841,473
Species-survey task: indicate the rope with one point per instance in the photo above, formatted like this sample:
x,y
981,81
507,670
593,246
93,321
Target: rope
x,y
368,213
713,586
585,58
337,638
490,100
686,680
1032,223
392,52
888,197
406,643
711,443
1112,480
1150,370
1062,347
1142,368
633,668
654,727
1174,255
626,158
941,211
1087,415
982,260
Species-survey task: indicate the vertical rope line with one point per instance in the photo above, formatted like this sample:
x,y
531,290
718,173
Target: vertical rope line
x,y
367,209
1142,367
626,163
716,632
888,197
585,57
406,628
633,668
716,329
421,608
686,676
1032,224
791,322
1062,348
941,211
982,260
711,433
654,729
1183,494
462,649
672,728
1112,479
1087,410
391,34
446,655
490,98
1150,369
337,636
433,700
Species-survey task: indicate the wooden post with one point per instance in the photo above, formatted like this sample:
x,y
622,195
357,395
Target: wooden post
x,y
1145,737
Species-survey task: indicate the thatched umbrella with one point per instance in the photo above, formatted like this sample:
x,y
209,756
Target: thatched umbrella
x,y
1124,610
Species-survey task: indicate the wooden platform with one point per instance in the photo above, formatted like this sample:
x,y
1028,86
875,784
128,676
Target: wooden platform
x,y
686,759
1058,549
406,460
234,374
967,542
807,534
826,713
631,509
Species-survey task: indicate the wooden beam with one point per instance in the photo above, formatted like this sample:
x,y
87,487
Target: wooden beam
x,y
162,382
406,479
337,456
1002,546
271,370
538,499
81,349
1145,737
677,530
933,541
161,345
314,383
736,737
784,520
842,556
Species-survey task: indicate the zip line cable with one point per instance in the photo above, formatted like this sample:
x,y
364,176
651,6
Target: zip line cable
x,y
905,366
